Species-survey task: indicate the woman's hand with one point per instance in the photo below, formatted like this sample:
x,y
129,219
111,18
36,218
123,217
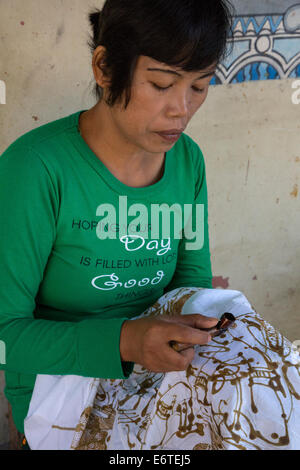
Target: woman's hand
x,y
146,341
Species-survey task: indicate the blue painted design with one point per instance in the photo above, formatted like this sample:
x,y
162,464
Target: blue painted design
x,y
239,48
255,22
247,71
287,48
264,47
254,71
272,73
296,72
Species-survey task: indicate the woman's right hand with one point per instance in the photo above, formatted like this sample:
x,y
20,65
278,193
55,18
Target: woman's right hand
x,y
146,341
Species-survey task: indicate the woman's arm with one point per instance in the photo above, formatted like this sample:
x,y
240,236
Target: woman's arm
x,y
29,205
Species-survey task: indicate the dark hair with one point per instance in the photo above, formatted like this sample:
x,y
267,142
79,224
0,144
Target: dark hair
x,y
190,34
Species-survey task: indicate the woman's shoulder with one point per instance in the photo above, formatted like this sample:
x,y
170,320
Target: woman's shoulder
x,y
41,141
192,150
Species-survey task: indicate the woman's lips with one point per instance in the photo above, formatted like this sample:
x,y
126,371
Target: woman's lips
x,y
169,137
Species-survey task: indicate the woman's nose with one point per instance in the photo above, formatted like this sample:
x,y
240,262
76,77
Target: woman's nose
x,y
179,105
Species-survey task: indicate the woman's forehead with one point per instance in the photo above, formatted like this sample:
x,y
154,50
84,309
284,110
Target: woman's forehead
x,y
149,64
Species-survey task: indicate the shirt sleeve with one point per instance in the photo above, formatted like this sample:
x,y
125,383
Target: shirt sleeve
x,y
29,207
193,268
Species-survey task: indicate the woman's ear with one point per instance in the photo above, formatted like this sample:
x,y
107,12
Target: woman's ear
x,y
98,64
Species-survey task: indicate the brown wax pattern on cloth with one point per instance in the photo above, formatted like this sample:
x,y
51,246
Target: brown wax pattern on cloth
x,y
238,393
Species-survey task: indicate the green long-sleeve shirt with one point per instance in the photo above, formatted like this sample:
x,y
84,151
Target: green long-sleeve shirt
x,y
65,291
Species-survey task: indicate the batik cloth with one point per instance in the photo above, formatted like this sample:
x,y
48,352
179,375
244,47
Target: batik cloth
x,y
241,392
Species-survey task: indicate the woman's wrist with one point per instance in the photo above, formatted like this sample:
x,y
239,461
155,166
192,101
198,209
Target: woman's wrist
x,y
125,342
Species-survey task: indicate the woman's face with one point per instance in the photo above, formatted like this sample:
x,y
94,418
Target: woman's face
x,y
152,110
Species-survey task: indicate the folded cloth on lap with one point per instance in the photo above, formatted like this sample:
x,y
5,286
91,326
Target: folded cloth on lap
x,y
241,392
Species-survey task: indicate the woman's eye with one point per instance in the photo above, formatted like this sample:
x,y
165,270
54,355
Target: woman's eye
x,y
197,90
159,87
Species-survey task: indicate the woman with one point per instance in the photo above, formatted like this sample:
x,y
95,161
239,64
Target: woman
x,y
68,289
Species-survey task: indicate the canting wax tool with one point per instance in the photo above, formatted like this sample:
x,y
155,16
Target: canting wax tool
x,y
225,322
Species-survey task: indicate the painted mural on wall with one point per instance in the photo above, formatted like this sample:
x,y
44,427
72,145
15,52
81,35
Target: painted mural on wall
x,y
265,44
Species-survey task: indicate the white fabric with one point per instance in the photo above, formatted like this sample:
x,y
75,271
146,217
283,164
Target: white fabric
x,y
242,390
